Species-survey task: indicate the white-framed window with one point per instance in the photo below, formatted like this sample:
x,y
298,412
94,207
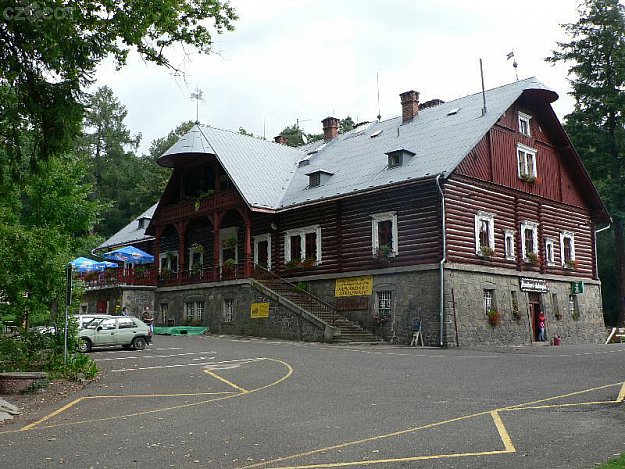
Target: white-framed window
x,y
228,310
168,261
489,300
196,257
524,124
572,305
194,310
509,244
303,243
526,161
189,308
228,241
484,233
549,254
384,303
567,249
384,232
262,250
529,238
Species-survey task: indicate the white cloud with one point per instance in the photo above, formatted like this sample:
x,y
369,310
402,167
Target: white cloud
x,y
304,60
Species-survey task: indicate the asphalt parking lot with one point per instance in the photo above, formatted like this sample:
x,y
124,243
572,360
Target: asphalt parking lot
x,y
225,402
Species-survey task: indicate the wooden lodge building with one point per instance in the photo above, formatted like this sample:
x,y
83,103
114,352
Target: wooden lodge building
x,y
462,219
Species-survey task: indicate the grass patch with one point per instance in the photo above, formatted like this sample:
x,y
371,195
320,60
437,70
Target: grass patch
x,y
617,463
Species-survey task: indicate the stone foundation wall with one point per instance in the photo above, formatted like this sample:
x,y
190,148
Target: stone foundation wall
x,y
282,323
467,288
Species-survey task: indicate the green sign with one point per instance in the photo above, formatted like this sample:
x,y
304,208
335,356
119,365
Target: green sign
x,y
577,287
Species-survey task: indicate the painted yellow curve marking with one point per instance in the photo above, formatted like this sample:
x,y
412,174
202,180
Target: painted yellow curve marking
x,y
224,380
38,423
503,434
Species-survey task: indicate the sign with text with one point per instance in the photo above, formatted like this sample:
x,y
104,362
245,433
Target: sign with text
x,y
259,310
353,286
534,285
577,287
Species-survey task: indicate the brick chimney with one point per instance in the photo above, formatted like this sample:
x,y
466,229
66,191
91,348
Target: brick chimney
x,y
330,128
409,105
281,139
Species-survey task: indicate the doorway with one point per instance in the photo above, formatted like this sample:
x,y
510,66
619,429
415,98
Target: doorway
x,y
535,310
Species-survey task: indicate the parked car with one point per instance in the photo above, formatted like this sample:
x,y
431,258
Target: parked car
x,y
127,331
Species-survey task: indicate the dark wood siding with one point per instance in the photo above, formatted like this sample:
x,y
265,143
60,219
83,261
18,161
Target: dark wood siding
x,y
346,229
465,197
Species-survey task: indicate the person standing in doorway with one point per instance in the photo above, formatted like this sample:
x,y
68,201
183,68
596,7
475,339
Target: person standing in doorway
x,y
541,327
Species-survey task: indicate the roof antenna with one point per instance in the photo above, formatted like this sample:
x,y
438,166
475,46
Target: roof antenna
x,y
509,56
483,89
377,79
198,97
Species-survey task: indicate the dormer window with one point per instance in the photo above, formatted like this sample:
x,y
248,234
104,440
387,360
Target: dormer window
x,y
318,178
526,163
398,157
524,124
143,223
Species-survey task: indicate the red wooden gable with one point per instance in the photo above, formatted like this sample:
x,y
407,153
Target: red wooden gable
x,y
560,175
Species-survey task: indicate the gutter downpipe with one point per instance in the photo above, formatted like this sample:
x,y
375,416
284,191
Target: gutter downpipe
x,y
596,257
443,259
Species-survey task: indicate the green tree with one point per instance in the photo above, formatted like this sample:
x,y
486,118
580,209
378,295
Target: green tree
x,y
596,51
48,57
346,125
114,166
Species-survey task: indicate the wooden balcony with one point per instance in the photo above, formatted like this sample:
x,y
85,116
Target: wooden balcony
x,y
192,208
120,278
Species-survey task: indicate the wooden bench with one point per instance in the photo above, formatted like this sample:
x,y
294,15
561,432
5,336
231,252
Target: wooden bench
x,y
617,334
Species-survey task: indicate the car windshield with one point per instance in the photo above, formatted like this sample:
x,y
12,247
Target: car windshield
x,y
93,323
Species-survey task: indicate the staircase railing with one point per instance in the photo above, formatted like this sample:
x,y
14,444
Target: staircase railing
x,y
306,300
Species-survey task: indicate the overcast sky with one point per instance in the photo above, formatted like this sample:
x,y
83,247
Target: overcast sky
x,y
308,59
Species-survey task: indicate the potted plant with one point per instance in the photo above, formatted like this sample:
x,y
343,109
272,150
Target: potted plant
x,y
230,264
528,178
309,262
532,258
570,264
292,264
230,243
487,252
494,317
197,247
384,252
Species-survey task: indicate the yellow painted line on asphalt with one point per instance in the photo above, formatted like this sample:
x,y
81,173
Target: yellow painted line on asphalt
x,y
553,406
621,394
503,433
224,380
36,424
53,414
190,394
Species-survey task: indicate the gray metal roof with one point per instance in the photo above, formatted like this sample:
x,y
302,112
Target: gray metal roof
x,y
268,174
131,233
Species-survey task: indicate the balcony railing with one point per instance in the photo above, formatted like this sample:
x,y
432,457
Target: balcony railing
x,y
151,277
220,200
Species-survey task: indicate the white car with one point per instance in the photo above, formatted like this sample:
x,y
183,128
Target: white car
x,y
127,331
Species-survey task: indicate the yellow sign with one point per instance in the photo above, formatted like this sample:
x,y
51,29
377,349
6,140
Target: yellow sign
x,y
259,310
354,286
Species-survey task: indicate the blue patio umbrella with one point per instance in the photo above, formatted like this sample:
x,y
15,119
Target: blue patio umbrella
x,y
130,254
108,264
83,264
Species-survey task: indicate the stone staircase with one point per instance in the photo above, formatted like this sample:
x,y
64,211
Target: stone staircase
x,y
349,331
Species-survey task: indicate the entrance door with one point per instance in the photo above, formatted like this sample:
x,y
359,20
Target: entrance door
x,y
535,309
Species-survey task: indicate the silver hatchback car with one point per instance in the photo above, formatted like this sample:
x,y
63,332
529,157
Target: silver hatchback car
x,y
127,331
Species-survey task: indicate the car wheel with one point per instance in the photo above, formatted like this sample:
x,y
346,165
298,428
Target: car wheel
x,y
138,343
84,345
